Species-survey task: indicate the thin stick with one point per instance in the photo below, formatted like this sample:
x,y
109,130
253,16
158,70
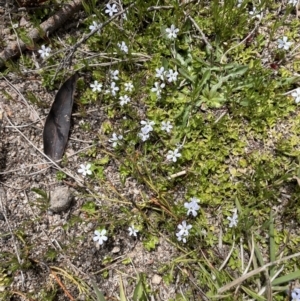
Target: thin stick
x,y
49,26
255,272
201,32
62,286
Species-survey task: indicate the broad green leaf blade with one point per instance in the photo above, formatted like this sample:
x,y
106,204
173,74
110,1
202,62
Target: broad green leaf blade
x,y
287,278
139,291
184,72
122,293
100,296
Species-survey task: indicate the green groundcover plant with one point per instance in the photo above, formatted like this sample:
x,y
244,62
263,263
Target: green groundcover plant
x,y
201,98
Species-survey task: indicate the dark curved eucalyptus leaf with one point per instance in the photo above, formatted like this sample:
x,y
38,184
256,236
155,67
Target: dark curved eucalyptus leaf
x,y
57,125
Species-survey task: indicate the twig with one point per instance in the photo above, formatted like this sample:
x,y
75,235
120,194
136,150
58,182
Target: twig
x,y
249,35
47,27
255,272
62,285
178,174
73,49
151,8
201,32
24,99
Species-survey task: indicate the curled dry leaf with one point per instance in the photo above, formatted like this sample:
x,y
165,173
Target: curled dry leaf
x,y
57,125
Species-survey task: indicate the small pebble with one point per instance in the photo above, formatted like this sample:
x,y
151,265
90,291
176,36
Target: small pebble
x,y
60,199
156,279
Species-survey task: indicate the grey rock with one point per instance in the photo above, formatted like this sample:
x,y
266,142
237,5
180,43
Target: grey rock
x,y
60,199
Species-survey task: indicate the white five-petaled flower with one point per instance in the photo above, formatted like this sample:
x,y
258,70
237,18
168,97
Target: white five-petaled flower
x,y
183,231
295,294
157,88
294,3
284,44
115,139
172,32
100,237
132,231
123,47
93,26
184,228
166,126
296,95
85,169
144,134
147,125
146,129
192,206
128,86
172,75
233,220
113,89
111,9
44,51
114,74
173,155
124,100
160,73
97,87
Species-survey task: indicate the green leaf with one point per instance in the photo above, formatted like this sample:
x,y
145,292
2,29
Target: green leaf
x,y
287,278
122,293
185,73
140,290
40,192
100,296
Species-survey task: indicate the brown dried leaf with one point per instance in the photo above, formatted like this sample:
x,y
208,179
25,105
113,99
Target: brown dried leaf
x,y
57,126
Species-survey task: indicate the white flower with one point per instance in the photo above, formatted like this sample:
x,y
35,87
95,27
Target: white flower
x,y
93,26
96,86
115,139
181,237
294,3
100,236
240,3
44,51
172,32
111,9
114,74
173,155
184,229
295,294
166,126
147,126
172,76
124,16
113,89
284,43
158,87
123,47
233,220
132,231
296,95
128,86
124,100
160,73
85,169
192,206
143,135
